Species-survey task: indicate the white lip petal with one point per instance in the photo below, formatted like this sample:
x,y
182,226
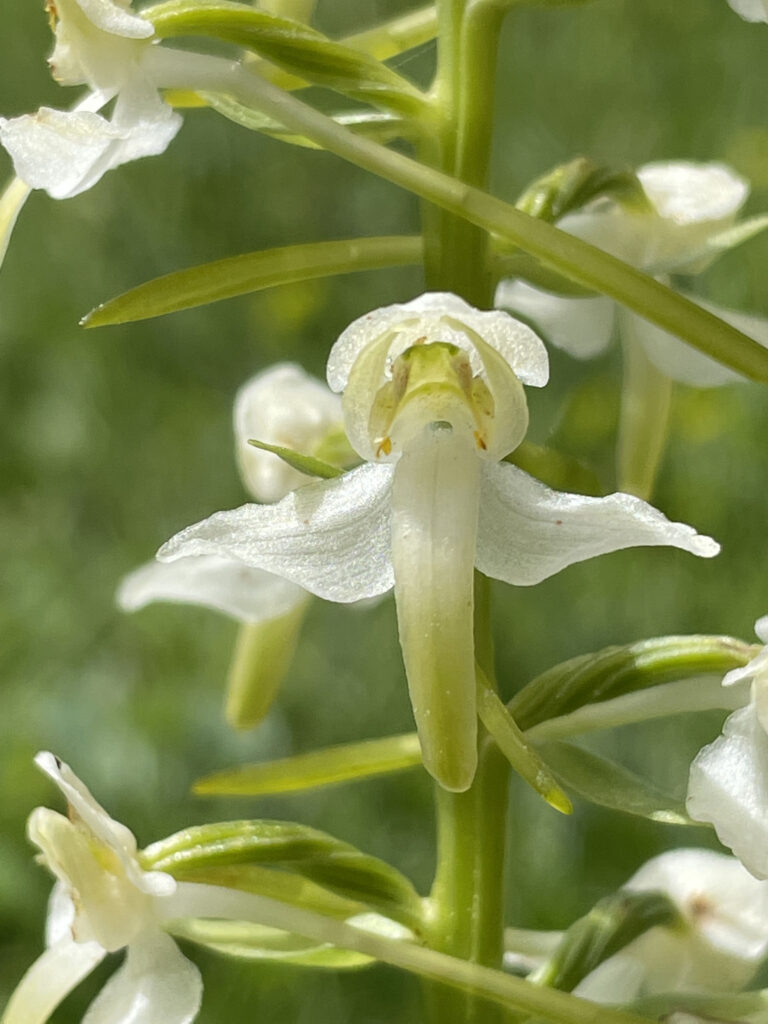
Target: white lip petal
x,y
728,787
224,584
116,19
50,979
581,327
67,152
434,525
528,532
332,538
155,985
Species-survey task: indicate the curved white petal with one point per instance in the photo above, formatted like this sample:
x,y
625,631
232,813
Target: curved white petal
x,y
332,538
528,532
440,315
751,10
619,979
691,193
723,904
11,202
155,985
285,406
109,832
682,362
761,629
581,327
60,916
728,786
434,526
224,584
50,979
116,19
67,152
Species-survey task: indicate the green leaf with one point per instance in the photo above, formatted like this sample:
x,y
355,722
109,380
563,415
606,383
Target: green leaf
x,y
293,46
523,757
615,671
571,186
203,852
254,271
247,941
373,125
307,464
330,766
557,470
612,924
611,785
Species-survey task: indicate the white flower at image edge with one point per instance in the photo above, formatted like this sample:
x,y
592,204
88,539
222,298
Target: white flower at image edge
x,y
103,902
728,783
433,400
283,405
104,45
751,10
716,947
693,206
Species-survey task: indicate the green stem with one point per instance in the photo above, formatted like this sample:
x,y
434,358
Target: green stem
x,y
583,263
646,396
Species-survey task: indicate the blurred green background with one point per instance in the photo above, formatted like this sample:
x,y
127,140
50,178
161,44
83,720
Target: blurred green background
x,y
114,439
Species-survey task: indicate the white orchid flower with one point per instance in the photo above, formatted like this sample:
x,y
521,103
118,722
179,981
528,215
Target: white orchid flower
x,y
103,902
751,10
728,783
694,208
283,405
109,48
716,947
433,400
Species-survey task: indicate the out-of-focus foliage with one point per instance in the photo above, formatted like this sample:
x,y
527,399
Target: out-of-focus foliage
x,y
113,439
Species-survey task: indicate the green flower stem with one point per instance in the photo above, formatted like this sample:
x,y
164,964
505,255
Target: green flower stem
x,y
398,35
486,983
646,397
583,263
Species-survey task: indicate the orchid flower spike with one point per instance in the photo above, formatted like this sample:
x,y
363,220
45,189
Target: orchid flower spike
x,y
751,10
728,783
103,901
718,943
433,401
282,405
692,222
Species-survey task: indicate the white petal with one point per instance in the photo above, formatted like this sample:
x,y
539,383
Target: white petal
x,y
50,979
11,202
728,786
528,532
682,362
434,526
67,152
224,584
581,327
692,193
755,668
761,629
60,916
155,985
116,19
332,538
751,10
440,315
285,406
618,979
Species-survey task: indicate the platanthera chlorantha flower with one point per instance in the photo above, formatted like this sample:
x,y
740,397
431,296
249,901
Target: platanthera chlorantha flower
x,y
109,48
283,406
103,902
728,783
716,946
433,401
693,220
751,10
